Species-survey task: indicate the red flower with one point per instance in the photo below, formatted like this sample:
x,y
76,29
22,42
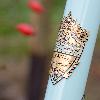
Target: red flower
x,y
26,29
36,6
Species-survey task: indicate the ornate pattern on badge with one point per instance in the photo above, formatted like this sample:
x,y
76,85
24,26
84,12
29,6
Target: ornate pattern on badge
x,y
68,50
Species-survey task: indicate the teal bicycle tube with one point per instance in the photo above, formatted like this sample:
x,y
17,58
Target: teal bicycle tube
x,y
73,51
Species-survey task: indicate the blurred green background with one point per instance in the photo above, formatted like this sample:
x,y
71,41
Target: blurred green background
x,y
15,48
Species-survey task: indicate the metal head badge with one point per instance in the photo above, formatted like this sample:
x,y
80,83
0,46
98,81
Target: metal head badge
x,y
68,50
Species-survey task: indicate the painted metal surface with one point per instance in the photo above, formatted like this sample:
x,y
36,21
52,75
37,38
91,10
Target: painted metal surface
x,y
87,14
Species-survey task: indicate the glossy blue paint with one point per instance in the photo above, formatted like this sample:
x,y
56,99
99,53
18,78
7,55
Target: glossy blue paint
x,y
87,13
